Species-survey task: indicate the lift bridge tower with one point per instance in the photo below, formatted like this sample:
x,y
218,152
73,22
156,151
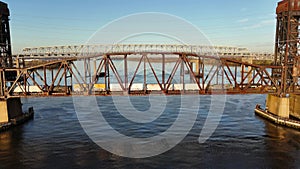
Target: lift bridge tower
x,y
5,42
10,107
287,45
287,58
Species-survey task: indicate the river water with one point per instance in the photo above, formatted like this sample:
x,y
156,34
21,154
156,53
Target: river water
x,y
55,139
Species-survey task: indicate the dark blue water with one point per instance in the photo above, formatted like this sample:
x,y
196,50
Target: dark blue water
x,y
55,139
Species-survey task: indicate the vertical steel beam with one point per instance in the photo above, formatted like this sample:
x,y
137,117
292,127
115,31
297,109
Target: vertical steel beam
x,y
71,80
217,75
145,74
126,72
65,78
45,79
235,75
164,71
107,73
222,70
52,75
2,76
25,83
182,72
242,76
95,67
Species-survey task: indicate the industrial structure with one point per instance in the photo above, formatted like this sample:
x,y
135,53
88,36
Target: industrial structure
x,y
5,43
124,69
208,73
285,103
78,50
287,45
10,107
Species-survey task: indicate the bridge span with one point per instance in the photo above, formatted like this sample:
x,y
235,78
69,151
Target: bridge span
x,y
141,69
92,70
96,49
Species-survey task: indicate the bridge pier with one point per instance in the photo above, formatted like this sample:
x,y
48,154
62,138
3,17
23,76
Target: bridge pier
x,y
284,107
279,106
282,110
11,113
295,106
10,109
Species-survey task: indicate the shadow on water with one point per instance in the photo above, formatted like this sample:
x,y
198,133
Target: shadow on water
x,y
282,146
10,142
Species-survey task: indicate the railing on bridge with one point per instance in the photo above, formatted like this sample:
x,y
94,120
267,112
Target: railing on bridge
x,y
97,50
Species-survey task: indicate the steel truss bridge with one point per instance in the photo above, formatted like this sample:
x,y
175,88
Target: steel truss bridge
x,y
94,50
192,70
175,69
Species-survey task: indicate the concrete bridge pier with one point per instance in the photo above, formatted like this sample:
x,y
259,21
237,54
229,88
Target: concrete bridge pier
x,y
279,106
282,110
284,107
11,113
285,110
10,108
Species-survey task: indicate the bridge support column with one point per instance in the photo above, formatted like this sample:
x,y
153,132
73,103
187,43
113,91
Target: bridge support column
x,y
279,106
280,110
295,106
10,109
284,106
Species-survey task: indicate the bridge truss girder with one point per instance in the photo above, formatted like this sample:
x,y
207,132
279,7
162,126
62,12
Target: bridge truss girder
x,y
225,76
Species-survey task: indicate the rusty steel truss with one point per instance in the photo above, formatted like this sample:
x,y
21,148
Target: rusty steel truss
x,y
208,73
210,69
287,46
5,43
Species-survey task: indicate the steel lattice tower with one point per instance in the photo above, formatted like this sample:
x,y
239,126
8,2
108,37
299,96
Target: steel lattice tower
x,y
5,43
287,46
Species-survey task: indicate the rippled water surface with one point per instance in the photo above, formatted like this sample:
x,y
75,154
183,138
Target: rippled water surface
x,y
55,138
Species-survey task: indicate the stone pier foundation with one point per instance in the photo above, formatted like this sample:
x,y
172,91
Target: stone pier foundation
x,y
9,109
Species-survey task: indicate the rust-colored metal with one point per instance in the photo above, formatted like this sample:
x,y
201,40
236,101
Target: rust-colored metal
x,y
117,75
126,71
190,70
260,82
171,77
5,47
287,46
5,42
163,71
217,76
155,75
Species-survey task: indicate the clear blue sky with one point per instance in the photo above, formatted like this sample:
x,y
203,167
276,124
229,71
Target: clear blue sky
x,y
241,23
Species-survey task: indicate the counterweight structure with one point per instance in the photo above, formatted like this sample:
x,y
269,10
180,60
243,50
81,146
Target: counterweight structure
x,y
287,46
5,43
